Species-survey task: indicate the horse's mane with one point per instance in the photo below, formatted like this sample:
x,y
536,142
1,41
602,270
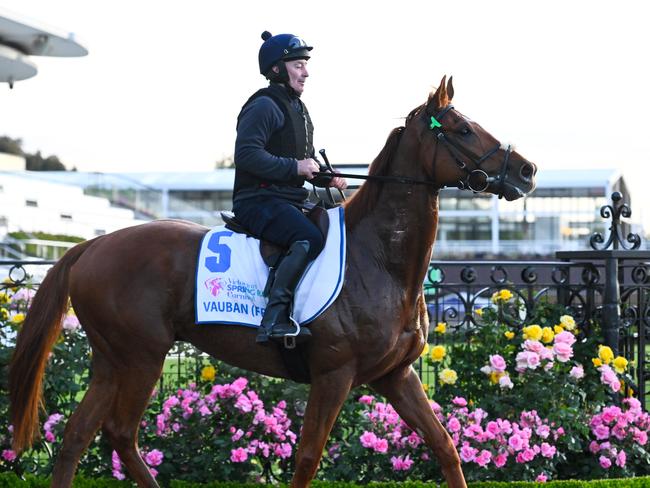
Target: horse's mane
x,y
363,201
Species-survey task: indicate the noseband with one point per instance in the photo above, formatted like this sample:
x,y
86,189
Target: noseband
x,y
476,180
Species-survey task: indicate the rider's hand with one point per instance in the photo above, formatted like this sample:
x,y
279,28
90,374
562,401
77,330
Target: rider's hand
x,y
307,168
339,182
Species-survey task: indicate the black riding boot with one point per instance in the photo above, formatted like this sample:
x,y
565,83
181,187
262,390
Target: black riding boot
x,y
276,323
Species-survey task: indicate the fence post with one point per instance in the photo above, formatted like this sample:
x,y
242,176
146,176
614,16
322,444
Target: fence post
x,y
611,304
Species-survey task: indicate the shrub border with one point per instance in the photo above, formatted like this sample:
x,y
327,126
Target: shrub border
x,y
10,480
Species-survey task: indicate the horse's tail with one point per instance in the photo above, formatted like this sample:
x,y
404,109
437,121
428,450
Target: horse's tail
x,y
36,338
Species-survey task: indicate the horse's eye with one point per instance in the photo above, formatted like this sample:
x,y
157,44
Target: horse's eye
x,y
466,131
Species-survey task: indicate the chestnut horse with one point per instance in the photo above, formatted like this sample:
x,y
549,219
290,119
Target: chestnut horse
x,y
133,292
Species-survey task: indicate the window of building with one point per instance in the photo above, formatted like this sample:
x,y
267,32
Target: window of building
x,y
31,203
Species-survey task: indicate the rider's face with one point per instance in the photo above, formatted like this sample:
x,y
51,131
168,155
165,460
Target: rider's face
x,y
297,70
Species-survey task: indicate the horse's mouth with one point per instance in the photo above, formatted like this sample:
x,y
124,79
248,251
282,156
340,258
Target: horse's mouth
x,y
514,192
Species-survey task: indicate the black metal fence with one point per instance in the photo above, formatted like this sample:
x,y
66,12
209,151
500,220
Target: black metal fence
x,y
608,285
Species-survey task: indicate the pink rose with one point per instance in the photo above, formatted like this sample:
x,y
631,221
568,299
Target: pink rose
x,y
500,460
601,432
594,447
453,424
493,428
621,458
547,450
49,437
527,359
641,437
563,351
484,458
154,458
610,413
541,478
506,382
577,372
401,463
381,446
459,401
543,431
366,399
564,338
516,442
8,455
238,455
467,453
498,363
368,439
605,462
533,346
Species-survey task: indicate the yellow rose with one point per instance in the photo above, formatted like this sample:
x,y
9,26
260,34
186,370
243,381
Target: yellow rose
x,y
479,312
441,328
501,296
19,318
605,354
4,298
4,315
547,335
597,362
620,364
425,387
425,351
558,328
567,322
448,376
495,376
438,353
208,373
532,332
509,334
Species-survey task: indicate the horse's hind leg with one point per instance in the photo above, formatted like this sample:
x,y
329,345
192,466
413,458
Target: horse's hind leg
x,y
403,390
84,422
121,425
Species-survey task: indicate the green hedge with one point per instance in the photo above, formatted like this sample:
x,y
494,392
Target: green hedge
x,y
10,480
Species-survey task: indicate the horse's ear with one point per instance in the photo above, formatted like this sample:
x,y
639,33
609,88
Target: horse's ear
x,y
438,100
450,89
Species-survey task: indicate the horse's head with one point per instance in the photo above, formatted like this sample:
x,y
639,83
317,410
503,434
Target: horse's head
x,y
456,151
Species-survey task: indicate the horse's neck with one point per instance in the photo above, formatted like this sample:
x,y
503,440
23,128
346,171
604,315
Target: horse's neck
x,y
405,220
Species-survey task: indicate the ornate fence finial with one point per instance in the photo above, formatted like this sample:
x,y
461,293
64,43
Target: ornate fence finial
x,y
615,211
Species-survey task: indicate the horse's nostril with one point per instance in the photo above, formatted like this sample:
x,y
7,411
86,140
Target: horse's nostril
x,y
527,171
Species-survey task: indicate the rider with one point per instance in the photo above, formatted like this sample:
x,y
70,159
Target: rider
x,y
274,155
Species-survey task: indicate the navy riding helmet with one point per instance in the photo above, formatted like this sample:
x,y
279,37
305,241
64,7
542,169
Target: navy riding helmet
x,y
283,47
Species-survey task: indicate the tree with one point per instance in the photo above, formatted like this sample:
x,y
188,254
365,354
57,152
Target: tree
x,y
11,146
34,162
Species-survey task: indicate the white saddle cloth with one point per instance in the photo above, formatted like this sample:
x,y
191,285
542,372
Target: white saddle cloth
x,y
231,276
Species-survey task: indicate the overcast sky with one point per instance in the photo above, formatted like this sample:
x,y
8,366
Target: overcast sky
x,y
566,81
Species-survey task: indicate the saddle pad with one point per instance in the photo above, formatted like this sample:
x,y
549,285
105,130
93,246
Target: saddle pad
x,y
231,276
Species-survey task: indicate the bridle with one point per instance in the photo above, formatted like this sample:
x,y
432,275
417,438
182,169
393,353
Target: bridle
x,y
476,180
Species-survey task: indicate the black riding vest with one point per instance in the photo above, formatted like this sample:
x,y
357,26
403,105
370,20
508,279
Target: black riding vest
x,y
293,140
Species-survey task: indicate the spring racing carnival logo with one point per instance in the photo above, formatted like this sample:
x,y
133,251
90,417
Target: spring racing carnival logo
x,y
214,285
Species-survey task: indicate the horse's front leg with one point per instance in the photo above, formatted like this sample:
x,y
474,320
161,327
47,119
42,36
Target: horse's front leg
x,y
327,394
403,390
